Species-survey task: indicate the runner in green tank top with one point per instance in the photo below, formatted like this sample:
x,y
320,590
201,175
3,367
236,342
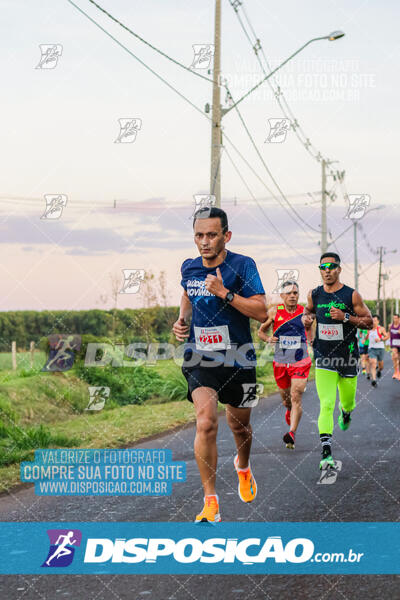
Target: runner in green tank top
x,y
338,311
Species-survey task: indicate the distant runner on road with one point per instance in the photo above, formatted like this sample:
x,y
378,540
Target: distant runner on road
x,y
376,349
394,330
362,337
222,290
292,361
339,310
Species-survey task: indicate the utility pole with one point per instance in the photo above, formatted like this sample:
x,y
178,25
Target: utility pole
x,y
324,227
391,307
385,276
380,250
216,131
355,255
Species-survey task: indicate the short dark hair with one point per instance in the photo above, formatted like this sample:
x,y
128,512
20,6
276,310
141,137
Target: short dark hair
x,y
377,316
395,315
289,282
214,213
332,254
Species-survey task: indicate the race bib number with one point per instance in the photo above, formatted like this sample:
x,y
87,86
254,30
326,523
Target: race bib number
x,y
332,333
251,394
212,338
396,342
292,342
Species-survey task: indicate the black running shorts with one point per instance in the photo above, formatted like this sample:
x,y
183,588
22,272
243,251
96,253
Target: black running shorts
x,y
235,385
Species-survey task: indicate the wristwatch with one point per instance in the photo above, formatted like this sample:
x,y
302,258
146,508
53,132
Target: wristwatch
x,y
229,297
346,317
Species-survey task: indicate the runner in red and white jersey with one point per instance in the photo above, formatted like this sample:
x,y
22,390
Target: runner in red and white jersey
x,y
292,361
377,337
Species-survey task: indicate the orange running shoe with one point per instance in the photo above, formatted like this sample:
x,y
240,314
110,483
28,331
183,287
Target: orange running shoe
x,y
210,512
247,487
396,375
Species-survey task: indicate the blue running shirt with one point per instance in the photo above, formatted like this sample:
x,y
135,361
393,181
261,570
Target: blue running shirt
x,y
217,328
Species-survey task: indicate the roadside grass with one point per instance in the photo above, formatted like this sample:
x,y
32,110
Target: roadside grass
x,y
23,360
44,397
116,428
49,410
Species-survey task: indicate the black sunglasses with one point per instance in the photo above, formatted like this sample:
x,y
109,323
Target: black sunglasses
x,y
329,266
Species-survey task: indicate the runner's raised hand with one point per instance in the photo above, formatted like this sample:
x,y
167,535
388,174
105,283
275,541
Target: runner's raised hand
x,y
215,284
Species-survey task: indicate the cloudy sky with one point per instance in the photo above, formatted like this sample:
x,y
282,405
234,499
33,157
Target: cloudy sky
x,y
59,128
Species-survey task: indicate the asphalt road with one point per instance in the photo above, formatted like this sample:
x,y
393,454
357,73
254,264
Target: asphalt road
x,y
367,489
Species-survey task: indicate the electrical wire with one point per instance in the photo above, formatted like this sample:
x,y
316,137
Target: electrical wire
x,y
139,60
197,109
271,175
370,248
274,227
277,91
137,36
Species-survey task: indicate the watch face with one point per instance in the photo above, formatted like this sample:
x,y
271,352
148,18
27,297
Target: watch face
x,y
229,297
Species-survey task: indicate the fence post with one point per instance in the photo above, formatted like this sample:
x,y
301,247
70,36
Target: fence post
x,y
32,352
14,355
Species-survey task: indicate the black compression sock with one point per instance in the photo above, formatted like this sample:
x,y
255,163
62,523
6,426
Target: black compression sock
x,y
326,441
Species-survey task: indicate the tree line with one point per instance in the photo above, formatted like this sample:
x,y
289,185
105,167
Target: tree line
x,y
128,325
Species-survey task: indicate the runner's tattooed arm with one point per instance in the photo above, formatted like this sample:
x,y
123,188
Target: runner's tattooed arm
x,y
180,327
254,307
262,332
363,318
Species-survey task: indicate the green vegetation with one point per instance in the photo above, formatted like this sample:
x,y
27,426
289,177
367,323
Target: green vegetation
x,y
44,410
129,325
41,409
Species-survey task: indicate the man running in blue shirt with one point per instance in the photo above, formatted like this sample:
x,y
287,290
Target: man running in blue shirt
x,y
222,291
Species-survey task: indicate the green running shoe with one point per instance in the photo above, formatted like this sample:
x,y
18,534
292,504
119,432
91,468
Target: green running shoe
x,y
344,420
327,462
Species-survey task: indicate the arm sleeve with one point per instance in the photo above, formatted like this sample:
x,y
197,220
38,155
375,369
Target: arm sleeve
x,y
251,284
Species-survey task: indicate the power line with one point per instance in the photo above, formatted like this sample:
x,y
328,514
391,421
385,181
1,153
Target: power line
x,y
139,60
370,248
367,278
271,175
333,243
277,92
136,35
274,227
193,105
369,267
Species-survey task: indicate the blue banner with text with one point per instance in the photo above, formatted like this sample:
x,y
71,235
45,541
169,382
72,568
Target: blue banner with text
x,y
189,548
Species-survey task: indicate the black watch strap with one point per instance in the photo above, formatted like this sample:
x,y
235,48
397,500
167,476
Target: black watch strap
x,y
229,297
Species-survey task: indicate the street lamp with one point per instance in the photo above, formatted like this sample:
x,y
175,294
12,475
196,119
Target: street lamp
x,y
382,252
218,112
335,35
